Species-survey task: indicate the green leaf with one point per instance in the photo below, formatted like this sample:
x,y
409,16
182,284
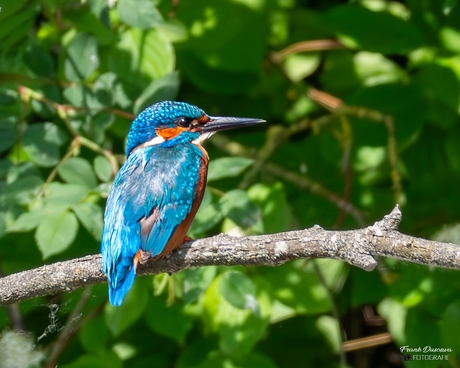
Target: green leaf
x,y
105,360
98,124
39,61
276,214
41,142
141,56
395,315
83,58
5,165
217,359
103,168
174,30
119,319
2,223
30,220
206,218
449,325
404,102
90,215
298,289
239,329
84,21
170,321
238,290
226,167
64,194
440,87
374,68
361,28
237,206
16,24
103,88
8,134
330,328
13,7
300,66
448,6
94,335
196,281
76,170
21,191
56,232
139,13
219,46
161,89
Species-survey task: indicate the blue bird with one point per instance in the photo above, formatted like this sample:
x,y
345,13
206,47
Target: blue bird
x,y
158,190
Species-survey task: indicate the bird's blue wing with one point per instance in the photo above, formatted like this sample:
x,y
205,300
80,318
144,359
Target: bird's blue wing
x,y
151,195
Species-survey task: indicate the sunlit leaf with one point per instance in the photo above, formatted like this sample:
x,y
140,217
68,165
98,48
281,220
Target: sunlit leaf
x,y
102,168
358,27
196,281
59,194
238,290
227,167
239,329
237,206
90,215
164,88
30,220
140,57
76,170
276,214
56,232
139,13
41,142
82,59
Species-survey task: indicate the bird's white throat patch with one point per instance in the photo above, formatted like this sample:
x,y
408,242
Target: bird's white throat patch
x,y
154,141
202,138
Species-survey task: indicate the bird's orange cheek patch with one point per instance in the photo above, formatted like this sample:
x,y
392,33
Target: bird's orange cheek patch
x,y
203,119
169,133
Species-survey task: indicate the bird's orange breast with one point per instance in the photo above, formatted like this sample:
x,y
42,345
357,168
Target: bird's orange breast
x,y
178,237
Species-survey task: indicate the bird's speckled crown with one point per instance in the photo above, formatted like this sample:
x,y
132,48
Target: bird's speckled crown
x,y
162,114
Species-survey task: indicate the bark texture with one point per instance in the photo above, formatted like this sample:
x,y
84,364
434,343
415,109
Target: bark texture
x,y
360,248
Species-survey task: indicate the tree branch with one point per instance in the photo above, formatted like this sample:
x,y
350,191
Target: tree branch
x,y
358,247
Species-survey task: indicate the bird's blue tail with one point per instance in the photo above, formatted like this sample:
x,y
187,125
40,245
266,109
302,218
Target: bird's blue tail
x,y
118,260
119,288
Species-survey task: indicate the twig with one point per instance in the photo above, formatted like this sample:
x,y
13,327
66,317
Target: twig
x,y
234,148
335,313
340,109
367,342
308,46
61,342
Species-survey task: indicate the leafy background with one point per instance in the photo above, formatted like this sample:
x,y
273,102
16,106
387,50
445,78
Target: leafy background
x,y
362,104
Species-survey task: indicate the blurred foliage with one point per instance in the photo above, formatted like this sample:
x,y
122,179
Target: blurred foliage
x,y
362,104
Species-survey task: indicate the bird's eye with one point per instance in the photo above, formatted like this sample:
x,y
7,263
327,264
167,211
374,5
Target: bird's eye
x,y
184,122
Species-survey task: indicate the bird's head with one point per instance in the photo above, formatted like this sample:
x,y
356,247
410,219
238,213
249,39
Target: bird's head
x,y
170,123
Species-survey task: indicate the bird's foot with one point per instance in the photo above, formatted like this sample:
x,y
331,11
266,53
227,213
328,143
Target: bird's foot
x,y
141,257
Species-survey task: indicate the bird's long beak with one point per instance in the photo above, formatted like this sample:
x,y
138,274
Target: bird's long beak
x,y
217,123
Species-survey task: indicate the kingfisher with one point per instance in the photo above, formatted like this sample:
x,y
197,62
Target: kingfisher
x,y
157,191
